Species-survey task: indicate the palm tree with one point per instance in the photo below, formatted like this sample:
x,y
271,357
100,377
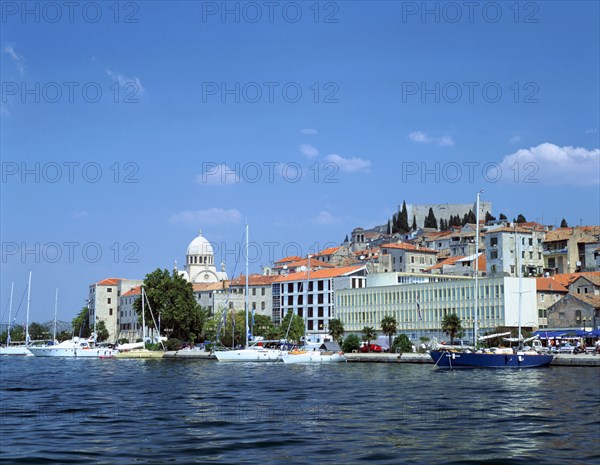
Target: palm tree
x,y
368,335
336,329
451,325
389,327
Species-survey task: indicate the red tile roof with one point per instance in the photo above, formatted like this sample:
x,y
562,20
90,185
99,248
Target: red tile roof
x,y
329,251
291,258
314,263
405,246
253,280
319,274
109,282
566,279
447,262
590,299
550,285
134,291
198,287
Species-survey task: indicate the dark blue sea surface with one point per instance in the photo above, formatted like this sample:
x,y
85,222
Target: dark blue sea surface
x,y
196,411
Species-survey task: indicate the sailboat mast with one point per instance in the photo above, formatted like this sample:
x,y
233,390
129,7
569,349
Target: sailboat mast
x,y
306,304
55,311
247,288
475,316
520,271
12,285
28,299
95,307
143,319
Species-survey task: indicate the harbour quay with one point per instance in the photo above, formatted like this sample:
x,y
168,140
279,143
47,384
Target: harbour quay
x,y
580,360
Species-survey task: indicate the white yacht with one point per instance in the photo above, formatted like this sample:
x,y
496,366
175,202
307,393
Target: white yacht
x,y
75,347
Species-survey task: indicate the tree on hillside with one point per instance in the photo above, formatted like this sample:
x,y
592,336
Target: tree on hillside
x,y
336,329
489,217
172,299
37,331
563,223
502,217
520,219
346,239
414,223
451,325
430,220
403,223
389,327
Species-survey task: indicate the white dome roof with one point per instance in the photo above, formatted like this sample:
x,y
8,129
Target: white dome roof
x,y
200,246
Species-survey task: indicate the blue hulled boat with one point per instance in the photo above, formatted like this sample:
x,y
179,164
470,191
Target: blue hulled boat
x,y
449,359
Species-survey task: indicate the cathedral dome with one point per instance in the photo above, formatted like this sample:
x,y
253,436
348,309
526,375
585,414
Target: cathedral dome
x,y
200,246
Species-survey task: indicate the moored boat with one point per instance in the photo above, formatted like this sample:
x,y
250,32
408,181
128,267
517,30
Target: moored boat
x,y
75,347
457,359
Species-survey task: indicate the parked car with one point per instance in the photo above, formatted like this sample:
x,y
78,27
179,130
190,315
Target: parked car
x,y
371,348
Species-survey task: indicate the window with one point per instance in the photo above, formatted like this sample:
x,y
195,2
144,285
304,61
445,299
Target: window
x,y
110,311
542,296
253,291
262,291
253,305
109,289
412,259
108,300
493,254
531,241
493,241
262,305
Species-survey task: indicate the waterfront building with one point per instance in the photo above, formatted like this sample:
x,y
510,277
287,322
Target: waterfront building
x,y
549,291
575,311
501,256
419,307
567,250
312,292
104,302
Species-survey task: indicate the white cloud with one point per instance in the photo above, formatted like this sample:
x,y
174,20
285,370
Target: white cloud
x,y
212,216
418,136
309,132
79,214
217,174
514,139
132,85
551,164
349,165
17,59
325,218
309,150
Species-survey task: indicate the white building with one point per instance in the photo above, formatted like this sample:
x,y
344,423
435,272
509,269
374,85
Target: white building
x,y
420,307
200,263
409,258
310,295
104,302
501,256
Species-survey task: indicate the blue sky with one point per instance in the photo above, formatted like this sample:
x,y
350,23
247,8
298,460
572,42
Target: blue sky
x,y
125,134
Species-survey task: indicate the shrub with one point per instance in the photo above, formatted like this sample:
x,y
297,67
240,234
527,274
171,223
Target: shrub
x,y
402,344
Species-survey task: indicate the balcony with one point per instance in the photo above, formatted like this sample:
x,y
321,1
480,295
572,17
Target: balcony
x,y
556,251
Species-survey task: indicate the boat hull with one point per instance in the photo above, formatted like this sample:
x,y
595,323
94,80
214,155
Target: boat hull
x,y
248,355
15,350
72,352
313,356
450,360
141,353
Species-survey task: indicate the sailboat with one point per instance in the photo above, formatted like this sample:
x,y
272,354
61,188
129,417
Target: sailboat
x,y
254,353
309,353
20,348
75,347
506,358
